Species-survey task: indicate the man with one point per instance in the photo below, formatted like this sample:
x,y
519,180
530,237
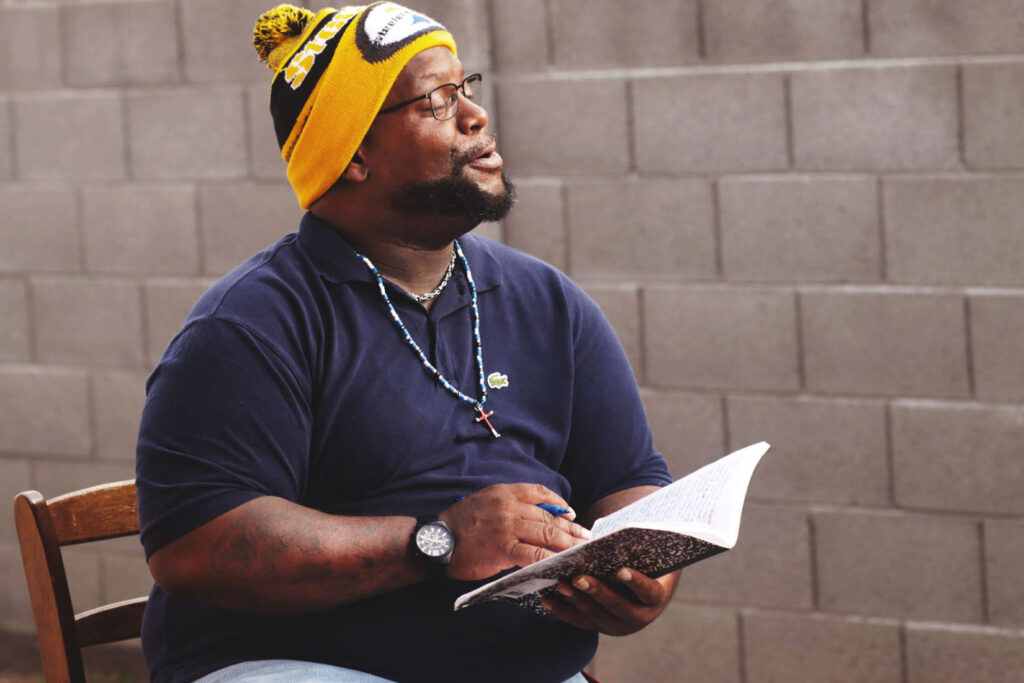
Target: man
x,y
359,423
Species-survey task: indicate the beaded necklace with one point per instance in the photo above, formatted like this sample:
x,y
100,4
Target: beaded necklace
x,y
478,406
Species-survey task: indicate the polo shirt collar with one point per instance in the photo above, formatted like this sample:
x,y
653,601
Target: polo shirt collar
x,y
331,255
337,262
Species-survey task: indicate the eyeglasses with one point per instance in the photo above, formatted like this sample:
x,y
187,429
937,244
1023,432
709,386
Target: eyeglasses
x,y
444,99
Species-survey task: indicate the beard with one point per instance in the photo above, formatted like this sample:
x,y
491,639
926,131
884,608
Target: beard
x,y
456,196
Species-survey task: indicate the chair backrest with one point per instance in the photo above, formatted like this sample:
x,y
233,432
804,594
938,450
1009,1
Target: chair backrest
x,y
44,526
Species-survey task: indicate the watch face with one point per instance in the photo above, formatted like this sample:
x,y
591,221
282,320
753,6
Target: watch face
x,y
433,540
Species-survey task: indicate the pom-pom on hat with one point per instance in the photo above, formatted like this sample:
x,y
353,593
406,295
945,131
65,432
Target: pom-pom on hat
x,y
332,70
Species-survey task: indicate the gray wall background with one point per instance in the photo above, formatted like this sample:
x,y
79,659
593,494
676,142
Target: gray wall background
x,y
805,219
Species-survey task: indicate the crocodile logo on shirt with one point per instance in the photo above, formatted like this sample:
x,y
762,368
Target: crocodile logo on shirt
x,y
496,380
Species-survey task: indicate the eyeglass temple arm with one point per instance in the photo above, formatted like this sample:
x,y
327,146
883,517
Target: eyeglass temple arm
x,y
426,96
396,107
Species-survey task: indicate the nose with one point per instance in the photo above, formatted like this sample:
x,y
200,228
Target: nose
x,y
471,116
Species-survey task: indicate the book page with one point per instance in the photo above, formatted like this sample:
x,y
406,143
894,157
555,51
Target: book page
x,y
711,497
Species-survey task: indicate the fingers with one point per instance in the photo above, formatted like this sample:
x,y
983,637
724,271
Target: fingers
x,y
563,607
535,494
517,503
523,554
553,534
532,513
616,608
647,591
584,604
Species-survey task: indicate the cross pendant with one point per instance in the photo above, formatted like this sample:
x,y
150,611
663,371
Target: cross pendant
x,y
483,418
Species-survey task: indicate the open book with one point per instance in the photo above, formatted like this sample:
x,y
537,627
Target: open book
x,y
696,517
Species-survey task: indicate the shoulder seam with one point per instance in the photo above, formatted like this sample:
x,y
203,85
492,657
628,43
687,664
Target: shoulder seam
x,y
267,256
254,334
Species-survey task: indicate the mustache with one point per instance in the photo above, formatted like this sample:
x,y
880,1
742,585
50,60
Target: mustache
x,y
462,159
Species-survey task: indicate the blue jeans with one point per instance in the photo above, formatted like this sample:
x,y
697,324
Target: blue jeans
x,y
289,671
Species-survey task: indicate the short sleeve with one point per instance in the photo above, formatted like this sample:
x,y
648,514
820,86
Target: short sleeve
x,y
226,420
610,444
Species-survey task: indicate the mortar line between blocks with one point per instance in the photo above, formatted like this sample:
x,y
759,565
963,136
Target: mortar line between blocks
x,y
723,404
812,546
741,645
247,132
30,308
787,111
883,252
549,32
566,232
702,37
632,166
865,24
179,26
798,321
144,324
62,42
716,227
556,74
126,143
972,384
12,139
904,664
642,334
986,612
494,106
91,400
83,257
197,206
961,117
490,30
890,454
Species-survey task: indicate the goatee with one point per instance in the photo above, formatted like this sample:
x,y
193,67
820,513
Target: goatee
x,y
458,197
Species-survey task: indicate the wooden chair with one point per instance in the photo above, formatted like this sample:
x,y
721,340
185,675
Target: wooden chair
x,y
44,526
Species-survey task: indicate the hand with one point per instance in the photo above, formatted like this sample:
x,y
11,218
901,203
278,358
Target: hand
x,y
501,527
616,608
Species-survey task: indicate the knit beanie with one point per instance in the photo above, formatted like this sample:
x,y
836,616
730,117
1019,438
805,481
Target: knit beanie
x,y
332,71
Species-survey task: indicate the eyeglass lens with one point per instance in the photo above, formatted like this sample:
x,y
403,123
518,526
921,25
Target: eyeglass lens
x,y
444,101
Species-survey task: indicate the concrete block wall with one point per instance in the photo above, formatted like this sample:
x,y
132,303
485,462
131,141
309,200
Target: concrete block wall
x,y
803,217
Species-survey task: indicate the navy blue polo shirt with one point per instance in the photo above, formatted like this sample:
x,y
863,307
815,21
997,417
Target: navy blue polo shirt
x,y
290,379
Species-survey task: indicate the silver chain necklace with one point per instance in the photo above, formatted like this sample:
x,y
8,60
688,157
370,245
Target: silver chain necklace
x,y
440,287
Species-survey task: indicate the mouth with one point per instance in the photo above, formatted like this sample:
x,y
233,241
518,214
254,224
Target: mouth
x,y
488,159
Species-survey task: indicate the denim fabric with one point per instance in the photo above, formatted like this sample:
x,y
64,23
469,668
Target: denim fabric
x,y
289,671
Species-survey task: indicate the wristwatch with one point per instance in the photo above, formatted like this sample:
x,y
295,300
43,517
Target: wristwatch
x,y
434,542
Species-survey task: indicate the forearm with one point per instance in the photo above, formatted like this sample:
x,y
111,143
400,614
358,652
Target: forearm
x,y
277,557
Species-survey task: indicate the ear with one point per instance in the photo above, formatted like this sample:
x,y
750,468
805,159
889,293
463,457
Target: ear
x,y
356,171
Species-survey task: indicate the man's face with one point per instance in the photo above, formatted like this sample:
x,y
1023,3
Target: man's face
x,y
431,167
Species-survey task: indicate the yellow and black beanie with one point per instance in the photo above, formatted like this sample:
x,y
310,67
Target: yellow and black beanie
x,y
332,71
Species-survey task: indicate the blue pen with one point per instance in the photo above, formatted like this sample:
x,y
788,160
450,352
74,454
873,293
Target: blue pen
x,y
556,510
